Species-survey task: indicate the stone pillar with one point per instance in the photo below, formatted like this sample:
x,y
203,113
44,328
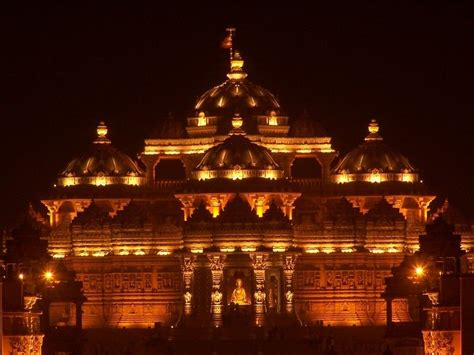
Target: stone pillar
x,y
217,270
288,270
187,266
325,160
259,266
150,162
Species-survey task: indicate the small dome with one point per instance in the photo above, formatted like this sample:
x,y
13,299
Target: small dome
x,y
169,128
305,126
237,158
237,95
102,165
374,161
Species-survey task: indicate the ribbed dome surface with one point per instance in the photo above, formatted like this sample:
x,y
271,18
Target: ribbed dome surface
x,y
372,155
237,96
103,161
239,153
237,150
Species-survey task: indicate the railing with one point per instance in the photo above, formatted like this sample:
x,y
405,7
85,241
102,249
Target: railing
x,y
169,184
306,183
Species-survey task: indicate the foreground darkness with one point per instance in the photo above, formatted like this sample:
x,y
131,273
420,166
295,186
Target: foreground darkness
x,y
64,68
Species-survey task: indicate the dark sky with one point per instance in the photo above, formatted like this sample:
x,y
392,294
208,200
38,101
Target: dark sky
x,y
406,63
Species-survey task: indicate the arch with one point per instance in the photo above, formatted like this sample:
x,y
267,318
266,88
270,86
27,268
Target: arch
x,y
170,169
306,168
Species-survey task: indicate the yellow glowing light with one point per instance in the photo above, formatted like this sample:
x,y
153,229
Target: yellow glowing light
x,y
377,251
406,177
304,151
69,181
392,250
197,251
100,181
419,271
347,250
328,250
48,275
133,180
139,252
228,250
278,249
270,174
84,253
172,152
312,251
221,102
163,252
248,249
99,253
375,177
237,173
21,276
124,252
273,119
202,119
58,255
102,130
237,121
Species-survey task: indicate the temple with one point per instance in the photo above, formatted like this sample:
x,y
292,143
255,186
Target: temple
x,y
239,206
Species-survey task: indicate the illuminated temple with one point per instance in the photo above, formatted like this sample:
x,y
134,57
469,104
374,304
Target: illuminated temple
x,y
240,206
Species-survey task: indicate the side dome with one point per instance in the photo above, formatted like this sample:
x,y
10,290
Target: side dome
x,y
374,161
102,165
237,158
237,95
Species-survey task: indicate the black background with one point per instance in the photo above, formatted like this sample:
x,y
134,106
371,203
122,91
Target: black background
x,y
65,67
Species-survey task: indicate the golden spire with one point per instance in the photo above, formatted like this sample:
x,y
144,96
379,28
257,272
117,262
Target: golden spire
x,y
373,131
236,64
102,134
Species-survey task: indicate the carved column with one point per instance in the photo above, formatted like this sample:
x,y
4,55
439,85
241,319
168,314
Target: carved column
x,y
187,266
217,270
150,162
325,160
288,270
259,266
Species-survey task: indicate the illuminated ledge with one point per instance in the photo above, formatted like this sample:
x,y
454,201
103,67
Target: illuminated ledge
x,y
375,177
237,174
101,180
276,130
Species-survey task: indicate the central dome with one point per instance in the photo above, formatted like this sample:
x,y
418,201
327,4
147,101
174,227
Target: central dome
x,y
237,95
237,158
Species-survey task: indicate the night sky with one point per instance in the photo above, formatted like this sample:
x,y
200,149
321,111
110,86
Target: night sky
x,y
407,63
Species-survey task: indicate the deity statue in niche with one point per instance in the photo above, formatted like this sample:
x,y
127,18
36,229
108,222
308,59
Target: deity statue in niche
x,y
238,295
273,293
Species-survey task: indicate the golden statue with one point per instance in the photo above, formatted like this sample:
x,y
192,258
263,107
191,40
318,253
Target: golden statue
x,y
238,295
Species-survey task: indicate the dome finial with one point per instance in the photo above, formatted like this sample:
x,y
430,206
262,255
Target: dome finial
x,y
237,125
373,131
102,134
236,64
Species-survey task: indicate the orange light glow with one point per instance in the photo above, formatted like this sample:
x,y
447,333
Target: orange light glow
x,y
48,275
21,276
419,271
